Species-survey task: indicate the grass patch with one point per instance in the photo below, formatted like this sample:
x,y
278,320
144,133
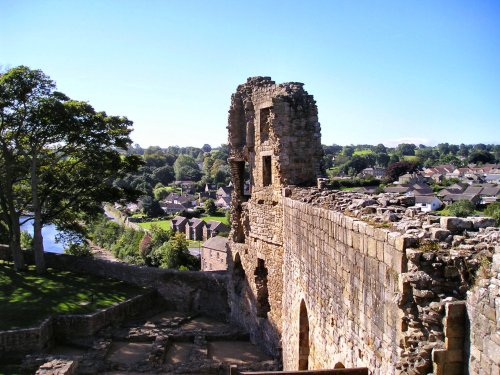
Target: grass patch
x,y
193,243
446,212
163,224
222,219
27,298
363,152
411,158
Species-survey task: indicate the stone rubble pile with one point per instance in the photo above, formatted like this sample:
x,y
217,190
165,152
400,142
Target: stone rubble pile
x,y
58,367
398,212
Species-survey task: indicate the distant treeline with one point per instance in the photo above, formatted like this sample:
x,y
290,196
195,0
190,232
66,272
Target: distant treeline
x,y
351,160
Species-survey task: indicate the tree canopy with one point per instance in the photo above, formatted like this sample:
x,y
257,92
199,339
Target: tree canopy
x,y
57,156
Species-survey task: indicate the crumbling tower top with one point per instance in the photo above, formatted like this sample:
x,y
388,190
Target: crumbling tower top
x,y
274,135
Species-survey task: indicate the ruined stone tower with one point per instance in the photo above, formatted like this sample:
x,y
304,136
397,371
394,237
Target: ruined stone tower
x,y
274,139
324,279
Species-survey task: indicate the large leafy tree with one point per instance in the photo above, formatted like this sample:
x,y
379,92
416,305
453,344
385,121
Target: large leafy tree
x,y
186,168
58,156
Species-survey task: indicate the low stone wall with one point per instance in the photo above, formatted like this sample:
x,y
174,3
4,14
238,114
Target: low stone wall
x,y
61,327
85,325
196,292
19,341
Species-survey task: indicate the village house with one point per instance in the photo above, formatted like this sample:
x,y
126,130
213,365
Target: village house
x,y
179,224
452,198
443,170
194,229
427,203
223,202
224,192
377,172
214,254
420,188
186,186
197,229
213,228
411,178
175,203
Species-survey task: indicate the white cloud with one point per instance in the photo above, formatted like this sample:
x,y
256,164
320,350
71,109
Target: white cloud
x,y
415,140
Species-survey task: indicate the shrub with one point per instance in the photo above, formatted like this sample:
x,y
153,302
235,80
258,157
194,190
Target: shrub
x,y
79,249
26,240
493,210
461,208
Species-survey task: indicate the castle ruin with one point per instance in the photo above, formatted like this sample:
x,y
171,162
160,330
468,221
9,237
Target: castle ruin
x,y
327,279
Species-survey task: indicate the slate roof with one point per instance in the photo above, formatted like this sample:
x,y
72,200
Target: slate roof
x,y
178,220
485,189
424,199
194,222
174,207
217,225
224,191
459,197
216,243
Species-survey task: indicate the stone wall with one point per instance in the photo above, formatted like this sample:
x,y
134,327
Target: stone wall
x,y
483,308
17,342
347,274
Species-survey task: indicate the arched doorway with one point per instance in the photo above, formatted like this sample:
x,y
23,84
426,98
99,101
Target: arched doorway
x,y
303,337
339,365
238,276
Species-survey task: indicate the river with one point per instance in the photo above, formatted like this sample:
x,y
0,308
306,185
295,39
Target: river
x,y
49,233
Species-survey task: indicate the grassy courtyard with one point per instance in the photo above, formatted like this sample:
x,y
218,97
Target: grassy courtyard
x,y
163,224
27,298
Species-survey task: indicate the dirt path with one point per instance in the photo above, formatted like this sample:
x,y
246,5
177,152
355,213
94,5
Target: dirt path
x,y
101,253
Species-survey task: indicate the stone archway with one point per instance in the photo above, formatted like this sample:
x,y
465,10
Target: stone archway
x,y
303,337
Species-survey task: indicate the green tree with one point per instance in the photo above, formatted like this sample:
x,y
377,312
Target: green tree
x,y
150,206
481,156
462,208
493,210
65,153
406,149
348,151
210,207
186,168
164,174
174,254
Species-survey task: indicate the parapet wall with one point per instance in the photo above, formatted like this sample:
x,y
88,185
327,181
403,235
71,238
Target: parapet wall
x,y
346,272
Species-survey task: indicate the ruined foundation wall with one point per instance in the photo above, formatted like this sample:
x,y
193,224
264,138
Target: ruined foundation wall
x,y
346,272
483,308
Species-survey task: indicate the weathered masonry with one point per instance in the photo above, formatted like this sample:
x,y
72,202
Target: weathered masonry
x,y
327,279
274,137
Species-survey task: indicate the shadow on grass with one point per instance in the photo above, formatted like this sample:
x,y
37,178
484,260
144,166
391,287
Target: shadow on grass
x,y
27,298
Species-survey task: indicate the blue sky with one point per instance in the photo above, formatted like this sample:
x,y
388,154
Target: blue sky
x,y
380,71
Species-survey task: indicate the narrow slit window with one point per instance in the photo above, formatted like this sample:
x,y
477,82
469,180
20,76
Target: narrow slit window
x,y
266,171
